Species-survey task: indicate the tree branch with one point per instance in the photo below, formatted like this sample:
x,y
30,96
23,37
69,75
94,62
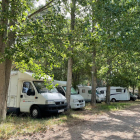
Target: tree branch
x,y
41,9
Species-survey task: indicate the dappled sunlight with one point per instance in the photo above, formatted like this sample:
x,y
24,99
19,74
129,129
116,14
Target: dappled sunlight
x,y
106,135
113,125
80,124
129,113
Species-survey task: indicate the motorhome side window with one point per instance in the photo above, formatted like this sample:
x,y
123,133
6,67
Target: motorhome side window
x,y
83,90
102,92
118,90
27,86
89,91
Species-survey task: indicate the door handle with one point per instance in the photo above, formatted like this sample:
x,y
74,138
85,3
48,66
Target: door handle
x,y
36,97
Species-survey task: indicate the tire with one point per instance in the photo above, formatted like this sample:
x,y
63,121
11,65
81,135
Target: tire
x,y
17,112
35,112
113,100
97,101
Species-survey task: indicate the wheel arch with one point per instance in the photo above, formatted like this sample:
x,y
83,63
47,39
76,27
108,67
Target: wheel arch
x,y
34,105
114,99
39,112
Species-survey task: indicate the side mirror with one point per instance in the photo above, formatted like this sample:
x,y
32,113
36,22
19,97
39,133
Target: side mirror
x,y
30,92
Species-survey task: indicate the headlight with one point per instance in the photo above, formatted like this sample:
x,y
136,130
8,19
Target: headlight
x,y
75,100
65,101
49,102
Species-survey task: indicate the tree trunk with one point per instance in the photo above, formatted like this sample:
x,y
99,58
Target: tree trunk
x,y
138,92
2,92
5,69
75,77
94,72
94,82
3,34
5,66
108,94
69,73
69,82
133,89
108,82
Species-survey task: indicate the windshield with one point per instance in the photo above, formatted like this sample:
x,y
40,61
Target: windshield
x,y
97,92
72,90
131,94
41,87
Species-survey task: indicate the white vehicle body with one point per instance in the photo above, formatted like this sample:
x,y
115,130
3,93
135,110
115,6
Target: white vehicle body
x,y
26,93
85,91
76,100
116,93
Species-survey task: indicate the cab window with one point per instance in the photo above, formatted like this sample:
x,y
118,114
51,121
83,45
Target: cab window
x,y
26,87
60,90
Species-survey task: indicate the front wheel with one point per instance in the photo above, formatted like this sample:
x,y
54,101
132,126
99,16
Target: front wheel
x,y
113,100
35,112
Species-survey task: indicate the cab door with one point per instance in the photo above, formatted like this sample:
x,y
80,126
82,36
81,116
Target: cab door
x,y
27,97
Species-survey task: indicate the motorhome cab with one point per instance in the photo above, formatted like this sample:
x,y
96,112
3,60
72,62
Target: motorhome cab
x,y
116,93
76,100
85,91
26,94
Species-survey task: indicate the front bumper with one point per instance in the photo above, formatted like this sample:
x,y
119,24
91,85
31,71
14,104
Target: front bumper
x,y
50,109
77,105
100,100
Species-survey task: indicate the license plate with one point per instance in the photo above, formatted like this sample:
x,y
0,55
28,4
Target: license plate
x,y
81,104
62,110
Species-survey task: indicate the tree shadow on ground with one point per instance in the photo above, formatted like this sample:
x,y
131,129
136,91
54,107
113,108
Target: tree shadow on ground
x,y
114,126
119,125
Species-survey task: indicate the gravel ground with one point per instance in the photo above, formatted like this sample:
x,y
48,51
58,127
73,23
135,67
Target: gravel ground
x,y
115,125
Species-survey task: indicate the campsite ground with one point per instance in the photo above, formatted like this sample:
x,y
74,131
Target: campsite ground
x,y
107,125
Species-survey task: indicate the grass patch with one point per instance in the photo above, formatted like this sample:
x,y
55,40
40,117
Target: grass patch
x,y
24,125
14,125
99,108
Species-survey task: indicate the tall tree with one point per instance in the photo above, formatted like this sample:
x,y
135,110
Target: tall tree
x,y
14,14
70,49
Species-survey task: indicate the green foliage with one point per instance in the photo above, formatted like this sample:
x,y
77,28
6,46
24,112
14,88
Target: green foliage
x,y
42,41
37,39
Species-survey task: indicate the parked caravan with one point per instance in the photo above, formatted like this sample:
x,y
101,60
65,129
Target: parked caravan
x,y
85,91
26,94
76,100
116,93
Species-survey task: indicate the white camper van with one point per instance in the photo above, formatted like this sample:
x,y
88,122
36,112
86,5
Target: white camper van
x,y
26,94
116,93
85,91
76,100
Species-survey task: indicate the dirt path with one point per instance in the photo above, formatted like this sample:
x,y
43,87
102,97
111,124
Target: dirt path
x,y
118,125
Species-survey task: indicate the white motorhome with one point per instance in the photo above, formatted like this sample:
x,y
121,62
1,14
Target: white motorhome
x,y
116,93
85,91
76,100
26,94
